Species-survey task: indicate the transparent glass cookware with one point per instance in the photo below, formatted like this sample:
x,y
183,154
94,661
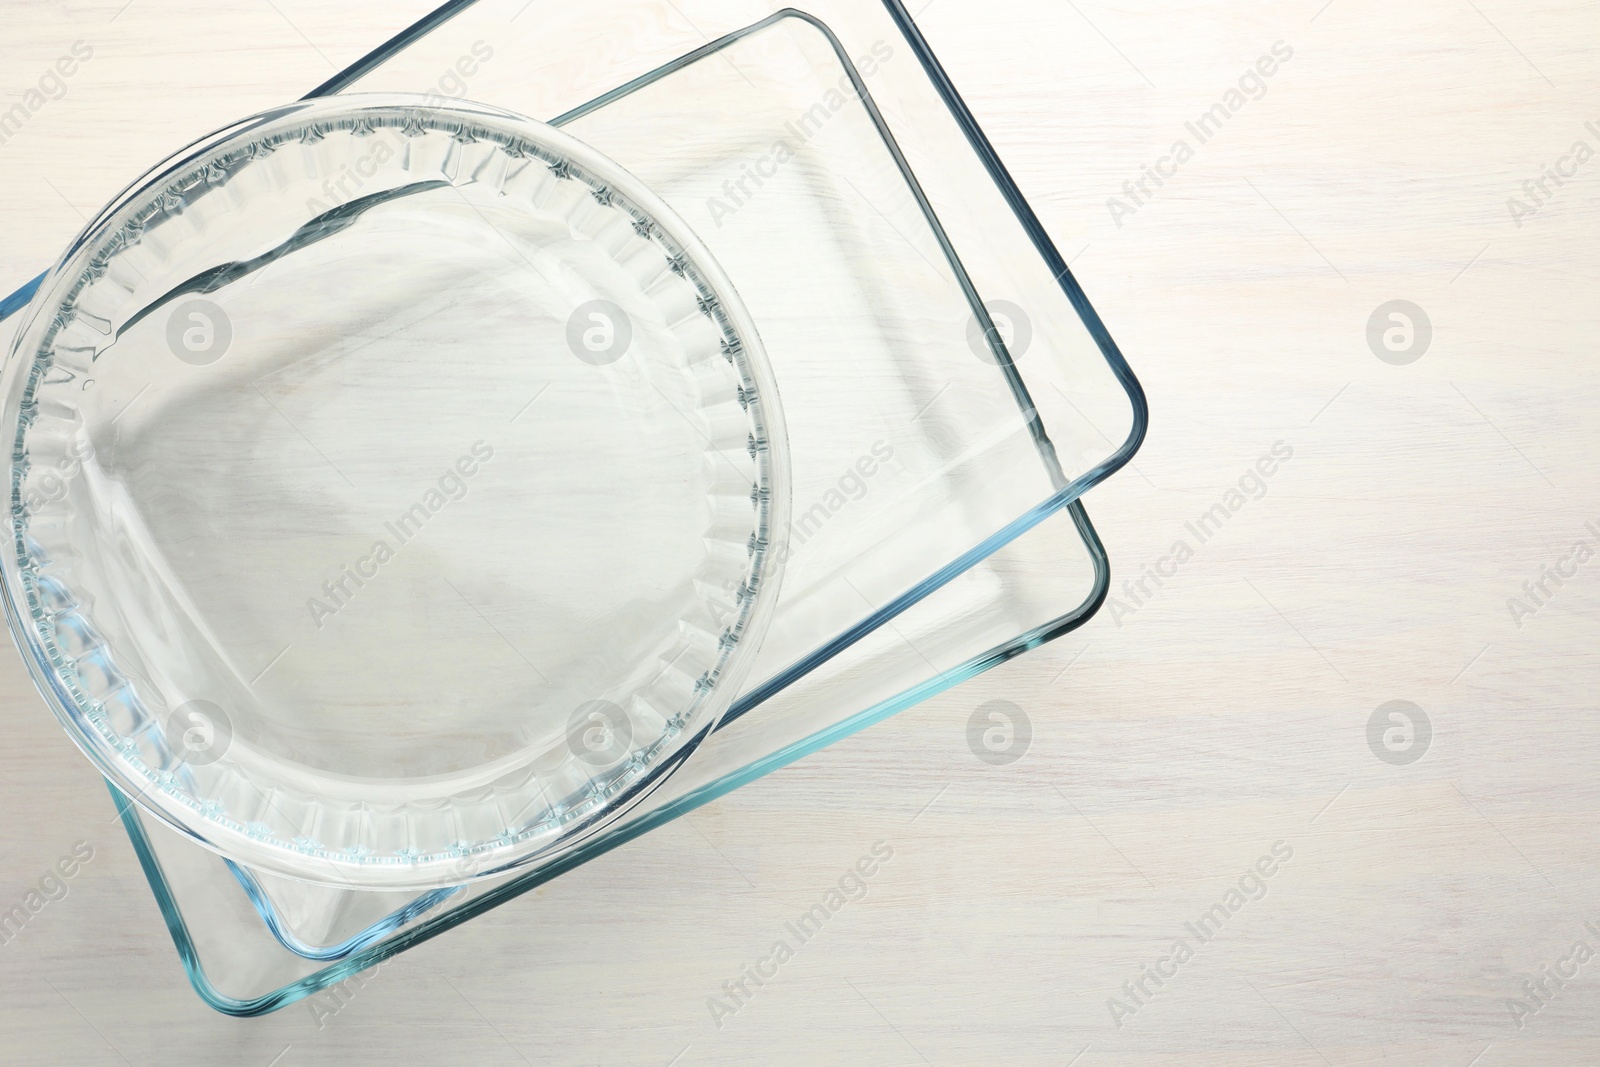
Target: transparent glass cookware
x,y
949,394
398,490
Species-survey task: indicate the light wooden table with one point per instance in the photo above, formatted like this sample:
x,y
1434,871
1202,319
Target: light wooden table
x,y
1196,730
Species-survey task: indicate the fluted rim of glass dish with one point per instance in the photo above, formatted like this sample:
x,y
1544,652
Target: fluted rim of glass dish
x,y
743,640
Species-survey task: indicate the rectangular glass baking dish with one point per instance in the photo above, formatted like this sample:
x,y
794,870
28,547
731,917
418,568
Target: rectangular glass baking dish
x,y
924,328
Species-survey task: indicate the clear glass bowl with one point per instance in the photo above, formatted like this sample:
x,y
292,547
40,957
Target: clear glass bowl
x,y
398,493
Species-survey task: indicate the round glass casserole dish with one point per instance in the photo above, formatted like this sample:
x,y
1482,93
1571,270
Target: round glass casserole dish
x,y
396,491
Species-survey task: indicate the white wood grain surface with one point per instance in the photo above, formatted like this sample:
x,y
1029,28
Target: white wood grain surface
x,y
1200,723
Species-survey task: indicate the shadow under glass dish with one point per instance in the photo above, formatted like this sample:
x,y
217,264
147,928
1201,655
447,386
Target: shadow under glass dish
x,y
395,491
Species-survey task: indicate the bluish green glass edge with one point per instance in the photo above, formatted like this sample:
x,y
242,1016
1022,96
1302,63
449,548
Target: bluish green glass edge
x,y
19,299
424,903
